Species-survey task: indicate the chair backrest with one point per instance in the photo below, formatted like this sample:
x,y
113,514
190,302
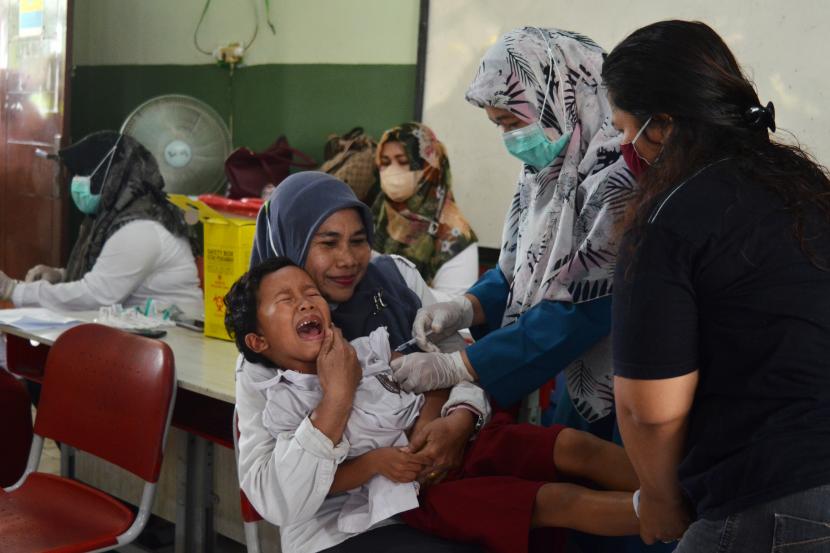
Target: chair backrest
x,y
111,394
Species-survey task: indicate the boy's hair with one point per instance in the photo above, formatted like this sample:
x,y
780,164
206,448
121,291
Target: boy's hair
x,y
241,306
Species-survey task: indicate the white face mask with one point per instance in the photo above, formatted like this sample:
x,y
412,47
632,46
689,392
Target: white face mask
x,y
399,185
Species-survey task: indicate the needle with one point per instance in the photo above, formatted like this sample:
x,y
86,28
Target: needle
x,y
409,343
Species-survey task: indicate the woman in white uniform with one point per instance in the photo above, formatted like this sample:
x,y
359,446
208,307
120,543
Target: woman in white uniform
x,y
133,245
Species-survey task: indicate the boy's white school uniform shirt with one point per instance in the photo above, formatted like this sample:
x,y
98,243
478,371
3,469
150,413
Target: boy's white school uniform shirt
x,y
381,413
287,466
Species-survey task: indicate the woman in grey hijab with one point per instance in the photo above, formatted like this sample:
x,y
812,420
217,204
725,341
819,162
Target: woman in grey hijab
x,y
316,221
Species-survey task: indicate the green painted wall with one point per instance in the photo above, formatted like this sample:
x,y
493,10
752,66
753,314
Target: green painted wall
x,y
332,65
304,102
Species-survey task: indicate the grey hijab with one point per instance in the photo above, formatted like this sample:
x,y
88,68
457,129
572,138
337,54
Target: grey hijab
x,y
296,209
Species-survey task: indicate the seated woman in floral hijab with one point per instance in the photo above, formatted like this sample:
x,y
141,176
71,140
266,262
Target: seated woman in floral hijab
x,y
415,213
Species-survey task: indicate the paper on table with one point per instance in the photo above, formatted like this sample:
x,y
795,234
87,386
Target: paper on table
x,y
34,318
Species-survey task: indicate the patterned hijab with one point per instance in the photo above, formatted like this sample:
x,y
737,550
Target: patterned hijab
x,y
558,241
132,190
428,228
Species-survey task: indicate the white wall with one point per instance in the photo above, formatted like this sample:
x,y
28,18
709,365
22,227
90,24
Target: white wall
x,y
782,44
123,32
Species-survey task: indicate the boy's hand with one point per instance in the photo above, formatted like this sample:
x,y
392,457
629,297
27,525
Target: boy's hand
x,y
398,464
337,365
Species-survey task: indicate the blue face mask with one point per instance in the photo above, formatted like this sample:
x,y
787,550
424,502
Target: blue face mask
x,y
85,200
531,145
81,186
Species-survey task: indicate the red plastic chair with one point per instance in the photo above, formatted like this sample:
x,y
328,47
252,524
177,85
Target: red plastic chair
x,y
15,429
249,515
108,393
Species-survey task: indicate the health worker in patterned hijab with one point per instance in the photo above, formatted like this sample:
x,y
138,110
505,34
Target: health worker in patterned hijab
x,y
547,306
415,213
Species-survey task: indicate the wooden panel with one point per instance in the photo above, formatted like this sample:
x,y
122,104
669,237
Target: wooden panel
x,y
33,198
31,226
4,41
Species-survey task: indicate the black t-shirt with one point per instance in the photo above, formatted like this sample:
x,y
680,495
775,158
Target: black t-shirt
x,y
715,281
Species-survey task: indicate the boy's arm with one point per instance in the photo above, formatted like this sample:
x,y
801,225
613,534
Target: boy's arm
x,y
398,464
434,400
353,473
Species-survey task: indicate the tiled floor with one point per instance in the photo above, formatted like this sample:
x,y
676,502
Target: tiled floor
x,y
50,459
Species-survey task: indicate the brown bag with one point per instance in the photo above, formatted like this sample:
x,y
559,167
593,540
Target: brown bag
x,y
351,158
250,172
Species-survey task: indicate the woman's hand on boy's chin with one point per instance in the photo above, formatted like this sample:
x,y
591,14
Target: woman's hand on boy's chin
x,y
444,440
337,365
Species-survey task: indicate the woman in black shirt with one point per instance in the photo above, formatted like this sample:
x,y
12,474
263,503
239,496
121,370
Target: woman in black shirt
x,y
721,317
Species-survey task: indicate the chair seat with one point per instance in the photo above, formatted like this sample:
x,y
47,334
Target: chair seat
x,y
50,513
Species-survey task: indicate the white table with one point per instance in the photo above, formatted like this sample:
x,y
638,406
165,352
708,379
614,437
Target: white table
x,y
204,366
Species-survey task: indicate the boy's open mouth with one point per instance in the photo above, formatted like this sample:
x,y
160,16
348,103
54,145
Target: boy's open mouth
x,y
310,328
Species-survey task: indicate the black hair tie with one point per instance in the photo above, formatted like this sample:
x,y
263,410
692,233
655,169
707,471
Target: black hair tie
x,y
761,117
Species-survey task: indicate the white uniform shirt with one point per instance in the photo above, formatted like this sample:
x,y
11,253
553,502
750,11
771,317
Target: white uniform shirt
x,y
381,414
141,260
287,476
453,278
457,275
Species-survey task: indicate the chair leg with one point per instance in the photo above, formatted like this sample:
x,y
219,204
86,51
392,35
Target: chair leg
x,y
148,494
194,513
67,461
252,537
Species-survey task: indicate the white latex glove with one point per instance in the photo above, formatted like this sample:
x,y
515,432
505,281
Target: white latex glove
x,y
7,285
441,320
421,372
44,272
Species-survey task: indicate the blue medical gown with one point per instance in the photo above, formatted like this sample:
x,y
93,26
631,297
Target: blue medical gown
x,y
514,360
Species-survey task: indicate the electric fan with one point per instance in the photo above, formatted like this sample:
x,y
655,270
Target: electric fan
x,y
188,139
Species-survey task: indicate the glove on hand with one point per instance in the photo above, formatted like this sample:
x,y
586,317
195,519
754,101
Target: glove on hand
x,y
441,320
44,272
7,285
421,372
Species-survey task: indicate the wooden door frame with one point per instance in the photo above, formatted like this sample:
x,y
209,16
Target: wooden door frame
x,y
62,240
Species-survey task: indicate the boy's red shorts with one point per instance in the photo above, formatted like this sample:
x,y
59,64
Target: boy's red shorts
x,y
490,499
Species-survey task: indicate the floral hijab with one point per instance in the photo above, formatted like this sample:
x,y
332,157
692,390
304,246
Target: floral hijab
x,y
428,228
558,241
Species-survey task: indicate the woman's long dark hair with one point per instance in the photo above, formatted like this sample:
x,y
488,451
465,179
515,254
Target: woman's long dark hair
x,y
684,70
